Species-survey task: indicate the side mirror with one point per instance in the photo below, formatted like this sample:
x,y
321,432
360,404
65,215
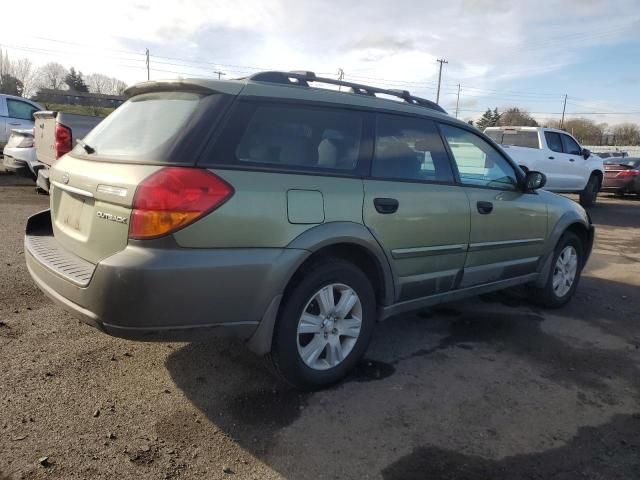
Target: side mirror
x,y
534,180
586,153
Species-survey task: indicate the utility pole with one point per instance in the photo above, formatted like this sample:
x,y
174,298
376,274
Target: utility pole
x,y
440,61
340,77
219,73
148,75
564,107
458,101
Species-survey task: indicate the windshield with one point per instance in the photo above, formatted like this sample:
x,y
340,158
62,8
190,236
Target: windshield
x,y
143,128
515,138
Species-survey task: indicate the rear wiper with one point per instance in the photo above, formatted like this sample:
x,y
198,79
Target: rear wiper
x,y
87,148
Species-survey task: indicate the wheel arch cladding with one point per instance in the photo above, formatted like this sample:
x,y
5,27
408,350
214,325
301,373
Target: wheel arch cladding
x,y
351,242
569,222
345,240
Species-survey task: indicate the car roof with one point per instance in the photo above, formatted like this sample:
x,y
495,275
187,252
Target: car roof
x,y
254,87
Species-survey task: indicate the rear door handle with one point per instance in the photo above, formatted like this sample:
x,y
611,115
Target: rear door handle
x,y
552,158
14,123
386,205
572,159
484,207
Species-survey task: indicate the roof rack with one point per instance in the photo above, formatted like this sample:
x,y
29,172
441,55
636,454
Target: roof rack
x,y
303,79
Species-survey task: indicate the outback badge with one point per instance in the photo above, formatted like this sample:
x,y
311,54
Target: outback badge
x,y
112,218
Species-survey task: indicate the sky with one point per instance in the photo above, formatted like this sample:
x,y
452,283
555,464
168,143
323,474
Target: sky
x,y
501,53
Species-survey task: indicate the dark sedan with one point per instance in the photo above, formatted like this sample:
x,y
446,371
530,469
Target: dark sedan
x,y
621,175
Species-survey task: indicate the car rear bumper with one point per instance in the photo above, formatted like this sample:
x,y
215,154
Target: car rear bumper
x,y
621,185
14,165
160,293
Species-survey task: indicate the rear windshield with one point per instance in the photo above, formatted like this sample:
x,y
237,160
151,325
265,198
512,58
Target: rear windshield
x,y
515,138
143,128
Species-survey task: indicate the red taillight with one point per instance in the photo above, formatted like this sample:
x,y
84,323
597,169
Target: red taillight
x,y
174,197
629,173
63,140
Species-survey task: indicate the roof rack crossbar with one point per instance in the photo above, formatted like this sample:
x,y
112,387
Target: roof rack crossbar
x,y
303,78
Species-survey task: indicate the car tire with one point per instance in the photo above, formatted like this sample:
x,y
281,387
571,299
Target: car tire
x,y
563,276
313,332
590,193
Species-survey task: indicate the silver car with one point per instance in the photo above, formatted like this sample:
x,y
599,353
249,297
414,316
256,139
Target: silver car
x,y
20,153
15,113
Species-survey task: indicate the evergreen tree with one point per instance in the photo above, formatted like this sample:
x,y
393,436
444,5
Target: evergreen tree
x,y
10,85
487,120
75,81
495,116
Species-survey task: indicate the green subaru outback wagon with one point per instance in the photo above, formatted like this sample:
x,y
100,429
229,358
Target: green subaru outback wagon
x,y
292,216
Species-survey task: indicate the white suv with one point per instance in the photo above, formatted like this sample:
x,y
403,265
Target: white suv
x,y
569,167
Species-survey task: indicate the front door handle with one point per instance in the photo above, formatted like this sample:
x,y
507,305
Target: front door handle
x,y
484,207
572,159
552,158
386,205
14,123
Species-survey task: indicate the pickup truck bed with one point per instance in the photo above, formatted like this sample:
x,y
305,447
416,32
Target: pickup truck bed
x,y
55,133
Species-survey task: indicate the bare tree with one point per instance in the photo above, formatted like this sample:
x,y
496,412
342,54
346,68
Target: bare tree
x,y
515,116
98,83
118,86
26,73
5,63
626,134
586,131
52,75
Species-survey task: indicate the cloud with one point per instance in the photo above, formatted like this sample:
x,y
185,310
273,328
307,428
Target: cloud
x,y
488,43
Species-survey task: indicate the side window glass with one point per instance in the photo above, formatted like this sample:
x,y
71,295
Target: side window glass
x,y
299,137
570,146
553,141
21,110
409,148
478,162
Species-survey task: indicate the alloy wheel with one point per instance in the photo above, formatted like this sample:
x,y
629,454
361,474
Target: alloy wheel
x,y
329,326
565,271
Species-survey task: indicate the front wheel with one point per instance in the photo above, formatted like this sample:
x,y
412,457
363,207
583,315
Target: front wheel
x,y
567,263
324,326
590,193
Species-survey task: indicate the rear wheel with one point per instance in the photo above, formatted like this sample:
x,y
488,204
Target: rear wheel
x,y
567,263
324,326
590,193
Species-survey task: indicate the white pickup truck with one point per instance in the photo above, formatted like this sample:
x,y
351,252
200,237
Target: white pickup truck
x,y
569,167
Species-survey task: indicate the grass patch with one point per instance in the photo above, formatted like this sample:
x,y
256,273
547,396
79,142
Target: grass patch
x,y
79,109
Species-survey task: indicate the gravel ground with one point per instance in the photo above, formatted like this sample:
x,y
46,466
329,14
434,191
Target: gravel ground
x,y
490,388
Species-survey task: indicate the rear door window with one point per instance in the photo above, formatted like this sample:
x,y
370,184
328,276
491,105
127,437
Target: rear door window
x,y
570,146
299,137
409,148
553,141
